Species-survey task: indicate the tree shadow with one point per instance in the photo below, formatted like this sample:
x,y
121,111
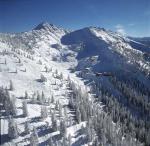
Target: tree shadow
x,y
35,119
13,72
80,132
54,138
44,131
20,116
39,80
80,141
4,138
21,97
22,134
3,113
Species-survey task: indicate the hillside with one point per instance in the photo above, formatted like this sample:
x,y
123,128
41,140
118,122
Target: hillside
x,y
74,88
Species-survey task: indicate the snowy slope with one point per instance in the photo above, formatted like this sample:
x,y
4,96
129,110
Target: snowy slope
x,y
106,44
51,51
24,57
108,54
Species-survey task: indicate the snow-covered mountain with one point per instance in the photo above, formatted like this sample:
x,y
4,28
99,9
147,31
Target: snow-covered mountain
x,y
64,79
110,47
143,40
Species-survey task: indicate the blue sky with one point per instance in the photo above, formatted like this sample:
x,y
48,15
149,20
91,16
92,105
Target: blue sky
x,y
130,17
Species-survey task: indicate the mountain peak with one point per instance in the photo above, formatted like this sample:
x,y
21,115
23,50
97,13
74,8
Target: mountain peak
x,y
96,28
44,25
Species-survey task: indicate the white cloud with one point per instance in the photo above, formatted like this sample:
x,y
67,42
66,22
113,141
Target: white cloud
x,y
120,29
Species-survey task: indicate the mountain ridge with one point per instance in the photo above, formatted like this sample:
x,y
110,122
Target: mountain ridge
x,y
89,84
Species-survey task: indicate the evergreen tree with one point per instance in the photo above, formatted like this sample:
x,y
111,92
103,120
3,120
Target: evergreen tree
x,y
64,142
43,78
43,97
63,128
96,142
26,95
49,101
148,138
12,128
52,99
12,106
57,105
38,96
104,140
19,61
34,138
69,140
65,112
51,69
24,108
5,62
44,112
71,102
27,127
61,76
78,115
54,122
89,134
40,62
60,110
50,142
11,87
5,96
46,69
35,97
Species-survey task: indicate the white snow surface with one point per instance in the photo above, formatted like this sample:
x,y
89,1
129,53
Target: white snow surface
x,y
43,47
